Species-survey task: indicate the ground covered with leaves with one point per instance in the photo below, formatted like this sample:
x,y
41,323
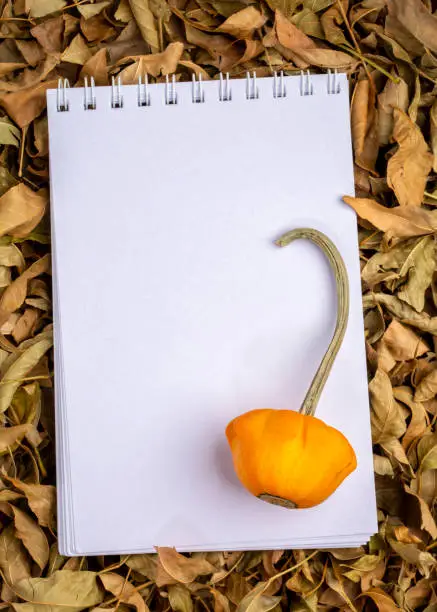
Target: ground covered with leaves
x,y
389,50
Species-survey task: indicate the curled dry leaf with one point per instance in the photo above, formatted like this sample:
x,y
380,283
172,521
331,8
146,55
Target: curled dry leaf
x,y
123,590
21,209
32,536
402,342
425,519
25,105
41,500
382,600
257,601
15,294
433,130
408,169
14,561
183,569
180,600
394,95
387,419
77,52
427,388
11,436
364,125
402,311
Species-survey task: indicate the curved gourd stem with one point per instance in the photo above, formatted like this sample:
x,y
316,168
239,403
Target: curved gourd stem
x,y
341,279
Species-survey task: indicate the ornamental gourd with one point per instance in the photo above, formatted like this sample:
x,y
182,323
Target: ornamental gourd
x,y
293,459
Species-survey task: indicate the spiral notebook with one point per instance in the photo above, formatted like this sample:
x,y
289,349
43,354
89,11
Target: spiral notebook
x,y
174,311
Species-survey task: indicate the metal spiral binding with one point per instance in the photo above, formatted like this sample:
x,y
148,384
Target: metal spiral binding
x,y
333,84
197,93
116,97
225,91
306,86
89,95
171,96
143,91
61,95
279,90
252,92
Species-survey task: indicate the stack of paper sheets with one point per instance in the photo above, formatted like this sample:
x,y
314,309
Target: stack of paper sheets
x,y
174,311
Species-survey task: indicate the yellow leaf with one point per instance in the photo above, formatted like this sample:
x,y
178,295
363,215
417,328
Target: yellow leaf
x,y
394,95
408,168
32,536
433,128
41,500
89,10
386,417
9,436
383,602
15,294
41,8
21,209
427,388
179,598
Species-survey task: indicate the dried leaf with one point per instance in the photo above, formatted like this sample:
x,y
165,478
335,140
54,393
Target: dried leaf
x,y
21,209
10,436
64,590
41,499
257,601
183,569
123,590
14,295
394,95
20,368
427,452
415,18
96,67
426,520
25,105
420,266
32,536
386,417
41,8
383,601
292,38
146,23
382,466
427,388
9,134
408,169
399,222
424,561
77,52
221,603
90,10
179,598
14,562
243,23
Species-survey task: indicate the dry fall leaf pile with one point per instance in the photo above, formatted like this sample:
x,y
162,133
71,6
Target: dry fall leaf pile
x,y
389,50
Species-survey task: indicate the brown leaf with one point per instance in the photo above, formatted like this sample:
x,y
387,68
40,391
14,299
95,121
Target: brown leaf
x,y
64,590
146,23
77,52
21,209
123,590
243,23
433,129
160,63
25,105
419,420
419,265
183,569
399,222
257,601
418,595
90,10
179,598
15,294
408,169
96,67
427,452
14,562
221,603
382,466
383,601
424,561
21,367
402,342
49,35
425,518
402,311
292,38
427,388
32,536
41,8
394,95
10,436
386,417
41,499
415,18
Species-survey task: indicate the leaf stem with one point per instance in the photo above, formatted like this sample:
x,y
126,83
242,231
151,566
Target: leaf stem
x,y
341,279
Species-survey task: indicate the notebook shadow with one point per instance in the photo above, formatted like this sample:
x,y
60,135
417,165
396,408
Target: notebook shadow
x,y
223,462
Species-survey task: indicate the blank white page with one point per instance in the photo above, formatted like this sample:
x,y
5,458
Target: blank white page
x,y
175,312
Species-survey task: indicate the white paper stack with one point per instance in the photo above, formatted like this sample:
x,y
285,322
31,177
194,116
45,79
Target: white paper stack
x,y
175,312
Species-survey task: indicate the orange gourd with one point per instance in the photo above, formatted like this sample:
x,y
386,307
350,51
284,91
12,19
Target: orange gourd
x,y
293,459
